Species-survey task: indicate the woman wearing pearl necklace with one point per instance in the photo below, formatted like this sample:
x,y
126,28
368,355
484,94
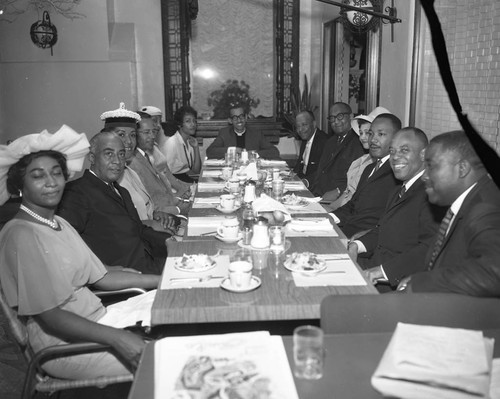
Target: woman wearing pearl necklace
x,y
46,268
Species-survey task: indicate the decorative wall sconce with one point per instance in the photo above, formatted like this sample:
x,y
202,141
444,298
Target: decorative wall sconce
x,y
43,33
358,15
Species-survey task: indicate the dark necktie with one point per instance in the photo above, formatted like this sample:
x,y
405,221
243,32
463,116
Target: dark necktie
x,y
339,139
443,228
377,167
402,191
114,190
148,158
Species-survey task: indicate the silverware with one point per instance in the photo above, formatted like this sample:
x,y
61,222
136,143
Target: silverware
x,y
332,271
194,279
335,257
208,233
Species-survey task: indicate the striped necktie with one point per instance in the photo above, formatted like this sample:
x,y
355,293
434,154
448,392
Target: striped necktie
x,y
443,228
402,191
377,167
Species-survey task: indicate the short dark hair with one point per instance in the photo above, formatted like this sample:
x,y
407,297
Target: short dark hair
x,y
457,142
182,112
419,134
17,172
395,121
143,116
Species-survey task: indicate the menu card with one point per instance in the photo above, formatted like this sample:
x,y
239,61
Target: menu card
x,y
238,365
435,362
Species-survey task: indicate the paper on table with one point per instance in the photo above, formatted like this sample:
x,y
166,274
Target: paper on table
x,y
207,202
495,380
294,186
203,224
272,162
212,173
317,227
237,365
312,207
221,269
349,274
214,162
251,171
211,186
435,362
129,312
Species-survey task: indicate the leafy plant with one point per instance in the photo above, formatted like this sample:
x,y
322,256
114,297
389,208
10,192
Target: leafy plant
x,y
231,94
300,102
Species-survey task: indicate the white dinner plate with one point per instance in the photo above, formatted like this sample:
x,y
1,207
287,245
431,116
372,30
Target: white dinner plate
x,y
229,240
312,268
195,263
255,283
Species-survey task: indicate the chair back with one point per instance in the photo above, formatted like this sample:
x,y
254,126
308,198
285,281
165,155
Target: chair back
x,y
16,325
342,314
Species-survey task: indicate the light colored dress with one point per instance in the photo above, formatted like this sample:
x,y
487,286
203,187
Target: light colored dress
x,y
180,156
353,175
41,269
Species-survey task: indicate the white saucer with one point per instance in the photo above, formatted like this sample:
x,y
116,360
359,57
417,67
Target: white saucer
x,y
229,240
224,210
255,282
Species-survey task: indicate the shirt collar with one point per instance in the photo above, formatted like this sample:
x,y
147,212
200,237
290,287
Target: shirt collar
x,y
410,182
457,204
384,159
240,134
312,137
105,182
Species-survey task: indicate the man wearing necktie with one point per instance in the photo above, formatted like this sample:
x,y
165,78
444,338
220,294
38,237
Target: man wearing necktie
x,y
313,142
465,256
397,246
368,203
339,152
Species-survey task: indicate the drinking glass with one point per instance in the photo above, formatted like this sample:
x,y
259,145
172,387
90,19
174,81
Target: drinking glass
x,y
308,352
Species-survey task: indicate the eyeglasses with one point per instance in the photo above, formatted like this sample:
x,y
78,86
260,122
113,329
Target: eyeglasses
x,y
339,117
236,118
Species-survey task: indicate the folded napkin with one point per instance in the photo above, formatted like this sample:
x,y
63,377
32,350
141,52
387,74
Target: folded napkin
x,y
129,312
267,204
294,186
211,186
316,224
205,221
435,362
209,202
251,170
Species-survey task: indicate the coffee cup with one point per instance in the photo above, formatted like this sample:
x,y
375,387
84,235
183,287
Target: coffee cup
x,y
242,176
233,185
229,228
227,172
227,201
240,273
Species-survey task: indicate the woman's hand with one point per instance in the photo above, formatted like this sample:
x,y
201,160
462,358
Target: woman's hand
x,y
192,141
129,346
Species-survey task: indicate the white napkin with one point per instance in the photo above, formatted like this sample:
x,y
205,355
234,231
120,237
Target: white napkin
x,y
273,162
294,186
211,186
267,204
212,173
251,171
311,225
214,162
129,312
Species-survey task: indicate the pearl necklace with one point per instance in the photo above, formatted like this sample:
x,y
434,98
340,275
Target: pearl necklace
x,y
52,223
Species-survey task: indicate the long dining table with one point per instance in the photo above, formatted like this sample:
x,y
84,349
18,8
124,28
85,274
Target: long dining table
x,y
280,296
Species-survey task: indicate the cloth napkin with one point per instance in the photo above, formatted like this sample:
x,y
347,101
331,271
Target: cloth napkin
x,y
295,186
435,362
210,186
129,312
208,202
267,204
251,171
203,225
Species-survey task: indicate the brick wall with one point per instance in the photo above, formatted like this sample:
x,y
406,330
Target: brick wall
x,y
472,32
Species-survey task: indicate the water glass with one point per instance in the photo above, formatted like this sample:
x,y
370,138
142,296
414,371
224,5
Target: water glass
x,y
308,352
278,188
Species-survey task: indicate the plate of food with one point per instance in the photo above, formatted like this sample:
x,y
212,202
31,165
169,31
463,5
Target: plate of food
x,y
305,263
292,200
195,263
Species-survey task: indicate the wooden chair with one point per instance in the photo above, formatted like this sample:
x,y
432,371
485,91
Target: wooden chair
x,y
36,379
341,314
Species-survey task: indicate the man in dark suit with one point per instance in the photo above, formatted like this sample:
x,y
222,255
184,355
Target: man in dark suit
x,y
367,204
340,150
313,143
397,246
465,257
240,135
104,214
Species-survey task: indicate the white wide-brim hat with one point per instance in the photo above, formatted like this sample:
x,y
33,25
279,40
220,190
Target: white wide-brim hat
x,y
73,145
152,111
368,118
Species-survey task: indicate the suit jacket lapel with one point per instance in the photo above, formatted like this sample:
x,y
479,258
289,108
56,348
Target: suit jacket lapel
x,y
102,186
339,147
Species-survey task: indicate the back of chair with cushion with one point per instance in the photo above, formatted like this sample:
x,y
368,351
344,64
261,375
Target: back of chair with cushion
x,y
380,313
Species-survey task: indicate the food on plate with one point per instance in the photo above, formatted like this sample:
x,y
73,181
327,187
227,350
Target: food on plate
x,y
304,262
195,262
294,200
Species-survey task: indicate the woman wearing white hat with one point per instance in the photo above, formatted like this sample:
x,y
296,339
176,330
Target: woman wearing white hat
x,y
361,125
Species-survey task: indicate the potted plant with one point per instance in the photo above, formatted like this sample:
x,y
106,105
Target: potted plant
x,y
231,93
300,102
